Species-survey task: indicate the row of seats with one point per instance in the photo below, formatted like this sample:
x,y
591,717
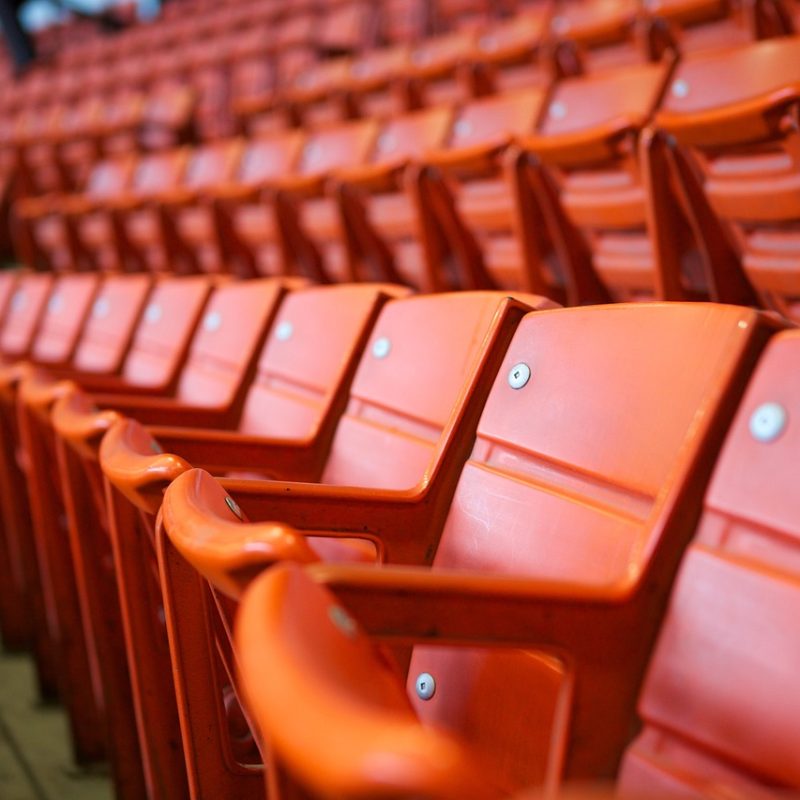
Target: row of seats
x,y
670,180
446,529
252,63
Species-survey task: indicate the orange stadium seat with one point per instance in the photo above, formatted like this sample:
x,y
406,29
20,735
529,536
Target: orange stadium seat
x,y
340,228
729,121
410,327
282,406
530,632
470,199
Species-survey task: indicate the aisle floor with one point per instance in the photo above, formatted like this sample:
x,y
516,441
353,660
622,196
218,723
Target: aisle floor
x,y
35,759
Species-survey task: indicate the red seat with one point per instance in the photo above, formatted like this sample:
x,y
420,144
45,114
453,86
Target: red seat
x,y
737,162
411,327
719,705
533,628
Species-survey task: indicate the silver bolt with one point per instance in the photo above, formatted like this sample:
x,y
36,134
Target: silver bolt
x,y
767,422
212,321
519,375
284,331
558,110
101,308
381,347
233,506
425,686
680,88
153,313
343,621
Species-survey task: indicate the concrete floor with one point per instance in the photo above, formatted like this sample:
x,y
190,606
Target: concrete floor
x,y
35,759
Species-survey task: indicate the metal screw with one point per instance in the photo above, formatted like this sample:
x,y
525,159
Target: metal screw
x,y
767,422
343,621
425,686
212,321
153,313
381,347
284,331
519,375
680,88
101,308
233,506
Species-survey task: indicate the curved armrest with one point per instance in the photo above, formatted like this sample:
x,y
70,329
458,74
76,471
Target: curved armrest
x,y
222,450
165,411
751,120
582,147
205,526
375,177
76,205
475,156
127,202
404,523
235,192
177,196
78,421
418,603
247,106
135,465
305,185
35,207
355,731
11,375
38,392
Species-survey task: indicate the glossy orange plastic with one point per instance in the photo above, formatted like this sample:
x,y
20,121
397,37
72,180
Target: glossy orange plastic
x,y
469,331
583,173
718,704
468,201
552,635
367,226
730,121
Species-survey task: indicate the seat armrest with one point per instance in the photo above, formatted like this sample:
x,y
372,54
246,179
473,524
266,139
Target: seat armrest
x,y
302,185
78,421
373,177
589,146
418,604
205,526
355,728
221,451
479,156
404,525
165,411
134,464
750,120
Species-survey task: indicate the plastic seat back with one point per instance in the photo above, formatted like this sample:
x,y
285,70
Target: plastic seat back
x,y
410,136
317,335
731,113
599,187
109,178
337,147
64,317
232,329
421,353
108,331
23,314
719,704
157,172
270,157
165,330
571,482
211,164
495,119
8,280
